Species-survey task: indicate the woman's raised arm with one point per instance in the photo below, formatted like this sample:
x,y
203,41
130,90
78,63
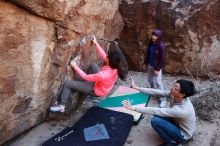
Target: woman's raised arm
x,y
99,49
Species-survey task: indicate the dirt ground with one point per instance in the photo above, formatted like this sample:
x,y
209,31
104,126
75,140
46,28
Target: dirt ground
x,y
206,134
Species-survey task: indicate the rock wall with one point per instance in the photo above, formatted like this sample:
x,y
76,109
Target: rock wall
x,y
190,33
37,40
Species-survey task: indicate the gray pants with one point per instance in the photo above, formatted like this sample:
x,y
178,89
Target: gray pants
x,y
155,81
78,86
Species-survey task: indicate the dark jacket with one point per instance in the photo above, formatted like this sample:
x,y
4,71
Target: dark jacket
x,y
159,53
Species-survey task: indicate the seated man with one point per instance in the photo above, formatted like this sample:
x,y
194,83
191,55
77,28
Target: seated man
x,y
176,124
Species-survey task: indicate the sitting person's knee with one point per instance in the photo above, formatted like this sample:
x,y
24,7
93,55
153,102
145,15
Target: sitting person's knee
x,y
155,121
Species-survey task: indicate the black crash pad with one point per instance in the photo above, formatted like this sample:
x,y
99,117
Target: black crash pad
x,y
117,125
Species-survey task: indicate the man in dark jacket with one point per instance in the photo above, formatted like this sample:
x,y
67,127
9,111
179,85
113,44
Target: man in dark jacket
x,y
155,61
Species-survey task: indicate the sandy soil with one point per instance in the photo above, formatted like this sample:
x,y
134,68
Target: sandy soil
x,y
207,134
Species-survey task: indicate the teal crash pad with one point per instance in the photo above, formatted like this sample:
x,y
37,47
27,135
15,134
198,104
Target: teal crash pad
x,y
115,103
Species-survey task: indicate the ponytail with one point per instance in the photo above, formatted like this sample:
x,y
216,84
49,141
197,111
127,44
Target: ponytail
x,y
122,75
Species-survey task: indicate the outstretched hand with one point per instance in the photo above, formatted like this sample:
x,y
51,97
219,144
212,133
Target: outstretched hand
x,y
127,104
133,85
73,63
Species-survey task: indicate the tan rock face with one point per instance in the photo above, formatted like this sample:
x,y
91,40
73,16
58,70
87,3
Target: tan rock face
x,y
24,41
100,17
95,17
36,45
190,33
54,10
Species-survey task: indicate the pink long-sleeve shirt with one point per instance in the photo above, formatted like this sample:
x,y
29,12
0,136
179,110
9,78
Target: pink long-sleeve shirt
x,y
104,79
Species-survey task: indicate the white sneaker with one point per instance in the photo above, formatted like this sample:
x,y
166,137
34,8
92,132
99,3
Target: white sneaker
x,y
58,108
163,103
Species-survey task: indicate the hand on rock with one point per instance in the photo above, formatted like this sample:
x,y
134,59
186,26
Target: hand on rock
x,y
94,39
75,61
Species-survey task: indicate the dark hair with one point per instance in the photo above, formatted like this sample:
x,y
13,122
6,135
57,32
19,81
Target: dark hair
x,y
186,87
114,62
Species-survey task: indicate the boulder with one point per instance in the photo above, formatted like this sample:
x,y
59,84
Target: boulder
x,y
24,53
37,41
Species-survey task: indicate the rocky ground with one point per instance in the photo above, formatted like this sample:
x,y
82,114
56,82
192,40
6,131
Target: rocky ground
x,y
207,133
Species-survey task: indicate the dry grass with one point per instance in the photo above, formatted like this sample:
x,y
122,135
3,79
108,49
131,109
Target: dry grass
x,y
206,105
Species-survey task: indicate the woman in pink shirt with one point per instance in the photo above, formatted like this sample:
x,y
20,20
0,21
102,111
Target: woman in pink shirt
x,y
98,80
